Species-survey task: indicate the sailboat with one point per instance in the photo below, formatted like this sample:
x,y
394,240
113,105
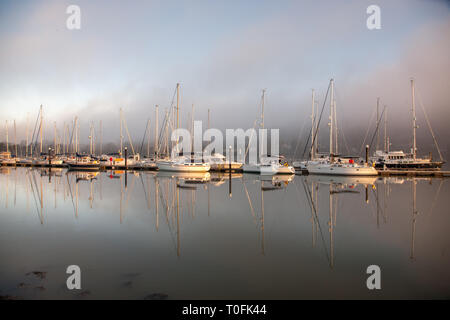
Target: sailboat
x,y
181,162
275,165
401,161
5,157
218,161
268,165
84,162
315,157
335,165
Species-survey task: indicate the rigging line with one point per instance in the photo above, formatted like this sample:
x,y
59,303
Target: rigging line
x,y
36,138
162,132
376,129
250,139
313,138
367,132
250,203
172,236
143,138
71,136
71,195
345,141
128,134
300,133
145,192
167,117
429,125
342,127
164,128
35,125
313,208
37,189
34,197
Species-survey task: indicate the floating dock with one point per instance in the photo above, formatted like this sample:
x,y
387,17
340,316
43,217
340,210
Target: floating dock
x,y
110,167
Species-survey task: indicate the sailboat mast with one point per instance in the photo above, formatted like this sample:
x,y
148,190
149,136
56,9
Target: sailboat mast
x,y
331,116
15,140
178,113
26,133
312,125
76,134
54,124
41,129
101,137
414,215
90,139
121,132
336,146
262,108
93,138
316,122
64,137
378,122
156,132
385,128
192,129
167,132
414,118
148,138
7,148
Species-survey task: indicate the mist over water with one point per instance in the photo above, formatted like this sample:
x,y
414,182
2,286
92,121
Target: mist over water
x,y
224,54
159,235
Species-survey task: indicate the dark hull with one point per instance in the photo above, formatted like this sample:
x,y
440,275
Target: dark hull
x,y
409,166
81,167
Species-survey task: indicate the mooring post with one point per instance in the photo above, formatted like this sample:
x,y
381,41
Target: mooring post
x,y
229,174
126,158
367,154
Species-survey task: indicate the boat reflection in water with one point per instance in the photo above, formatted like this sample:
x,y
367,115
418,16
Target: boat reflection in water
x,y
221,235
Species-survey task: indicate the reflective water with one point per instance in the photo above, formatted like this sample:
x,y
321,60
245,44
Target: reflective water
x,y
156,235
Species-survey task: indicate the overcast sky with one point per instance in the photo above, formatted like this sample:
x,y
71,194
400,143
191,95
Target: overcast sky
x,y
131,54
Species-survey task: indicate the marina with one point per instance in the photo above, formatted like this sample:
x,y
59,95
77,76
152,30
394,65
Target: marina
x,y
134,232
225,154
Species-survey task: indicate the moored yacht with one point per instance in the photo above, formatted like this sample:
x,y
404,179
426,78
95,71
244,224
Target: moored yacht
x,y
398,160
343,169
46,160
335,165
218,162
84,162
182,164
275,165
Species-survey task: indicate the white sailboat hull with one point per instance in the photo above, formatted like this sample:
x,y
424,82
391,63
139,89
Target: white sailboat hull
x,y
225,166
343,170
276,169
183,167
251,168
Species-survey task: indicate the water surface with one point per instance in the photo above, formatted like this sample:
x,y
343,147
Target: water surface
x,y
154,235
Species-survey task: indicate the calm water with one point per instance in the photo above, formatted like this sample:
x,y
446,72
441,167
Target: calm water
x,y
151,235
